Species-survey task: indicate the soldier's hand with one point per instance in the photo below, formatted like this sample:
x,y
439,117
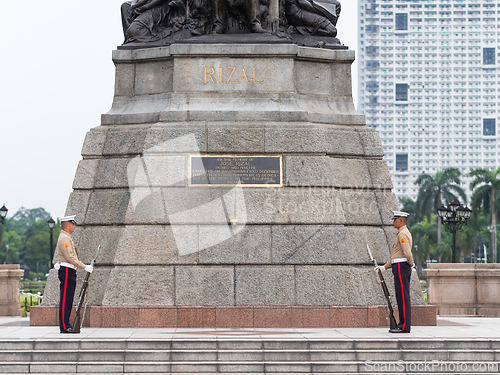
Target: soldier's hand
x,y
381,268
89,268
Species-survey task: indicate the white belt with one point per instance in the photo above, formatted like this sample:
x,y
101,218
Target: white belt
x,y
397,260
69,265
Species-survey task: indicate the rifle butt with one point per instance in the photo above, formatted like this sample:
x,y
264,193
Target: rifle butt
x,y
392,321
77,323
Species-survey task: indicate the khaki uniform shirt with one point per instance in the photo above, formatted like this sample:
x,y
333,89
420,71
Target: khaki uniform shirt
x,y
401,247
67,251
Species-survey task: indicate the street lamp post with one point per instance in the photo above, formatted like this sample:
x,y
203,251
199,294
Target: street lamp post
x,y
3,213
51,223
454,218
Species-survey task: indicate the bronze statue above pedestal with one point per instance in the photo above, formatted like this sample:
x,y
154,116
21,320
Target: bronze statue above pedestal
x,y
152,23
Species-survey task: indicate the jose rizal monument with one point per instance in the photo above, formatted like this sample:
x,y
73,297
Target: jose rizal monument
x,y
232,183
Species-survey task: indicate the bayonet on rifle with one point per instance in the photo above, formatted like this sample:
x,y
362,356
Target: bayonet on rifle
x,y
77,325
392,320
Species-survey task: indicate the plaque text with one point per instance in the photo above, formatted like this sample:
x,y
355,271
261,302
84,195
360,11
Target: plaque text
x,y
230,170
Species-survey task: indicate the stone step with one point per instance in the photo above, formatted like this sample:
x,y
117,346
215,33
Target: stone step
x,y
245,355
407,344
238,373
177,373
249,357
245,368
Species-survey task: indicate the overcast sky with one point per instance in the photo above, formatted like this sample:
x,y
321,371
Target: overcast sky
x,y
56,79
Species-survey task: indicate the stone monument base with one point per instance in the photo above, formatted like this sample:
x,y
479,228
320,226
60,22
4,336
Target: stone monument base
x,y
233,317
274,235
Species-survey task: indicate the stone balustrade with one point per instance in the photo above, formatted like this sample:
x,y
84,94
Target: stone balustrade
x,y
10,274
464,288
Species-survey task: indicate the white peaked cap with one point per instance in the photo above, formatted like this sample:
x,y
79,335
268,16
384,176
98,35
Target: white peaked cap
x,y
69,218
399,214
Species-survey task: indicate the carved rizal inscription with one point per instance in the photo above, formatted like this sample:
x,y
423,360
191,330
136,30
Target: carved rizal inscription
x,y
230,74
229,170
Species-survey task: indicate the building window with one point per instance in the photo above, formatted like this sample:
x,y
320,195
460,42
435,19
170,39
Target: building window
x,y
488,56
372,28
489,126
401,21
401,92
374,64
401,162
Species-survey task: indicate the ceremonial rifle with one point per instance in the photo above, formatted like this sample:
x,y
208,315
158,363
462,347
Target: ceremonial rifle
x,y
392,320
77,325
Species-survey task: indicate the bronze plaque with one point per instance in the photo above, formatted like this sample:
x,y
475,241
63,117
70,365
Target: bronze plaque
x,y
230,170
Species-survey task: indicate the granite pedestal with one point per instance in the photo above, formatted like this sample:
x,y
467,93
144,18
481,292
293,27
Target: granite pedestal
x,y
174,254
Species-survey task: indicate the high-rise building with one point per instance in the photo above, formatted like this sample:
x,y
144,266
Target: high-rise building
x,y
429,83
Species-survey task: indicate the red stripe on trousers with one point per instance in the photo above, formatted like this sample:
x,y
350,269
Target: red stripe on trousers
x,y
64,298
402,293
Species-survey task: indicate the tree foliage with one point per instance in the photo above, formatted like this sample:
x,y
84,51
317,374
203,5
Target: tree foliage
x,y
27,236
442,251
486,187
443,187
411,206
424,237
484,184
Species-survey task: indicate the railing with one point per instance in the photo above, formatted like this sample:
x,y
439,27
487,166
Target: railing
x,y
425,289
32,286
29,300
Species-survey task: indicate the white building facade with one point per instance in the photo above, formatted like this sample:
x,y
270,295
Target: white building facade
x,y
429,83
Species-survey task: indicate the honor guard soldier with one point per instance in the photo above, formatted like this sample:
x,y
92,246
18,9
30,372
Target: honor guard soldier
x,y
67,266
401,263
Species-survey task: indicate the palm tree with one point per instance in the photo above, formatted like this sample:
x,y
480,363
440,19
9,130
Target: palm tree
x,y
444,184
424,237
442,251
474,233
409,205
485,187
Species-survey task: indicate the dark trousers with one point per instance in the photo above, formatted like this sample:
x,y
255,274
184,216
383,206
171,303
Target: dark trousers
x,y
402,274
67,277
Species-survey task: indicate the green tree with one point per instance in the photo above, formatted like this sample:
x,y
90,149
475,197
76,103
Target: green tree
x,y
444,185
410,206
28,237
424,237
474,233
23,219
485,187
28,215
442,251
38,251
14,241
37,246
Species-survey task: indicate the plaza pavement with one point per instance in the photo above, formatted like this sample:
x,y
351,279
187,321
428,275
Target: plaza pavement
x,y
448,328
